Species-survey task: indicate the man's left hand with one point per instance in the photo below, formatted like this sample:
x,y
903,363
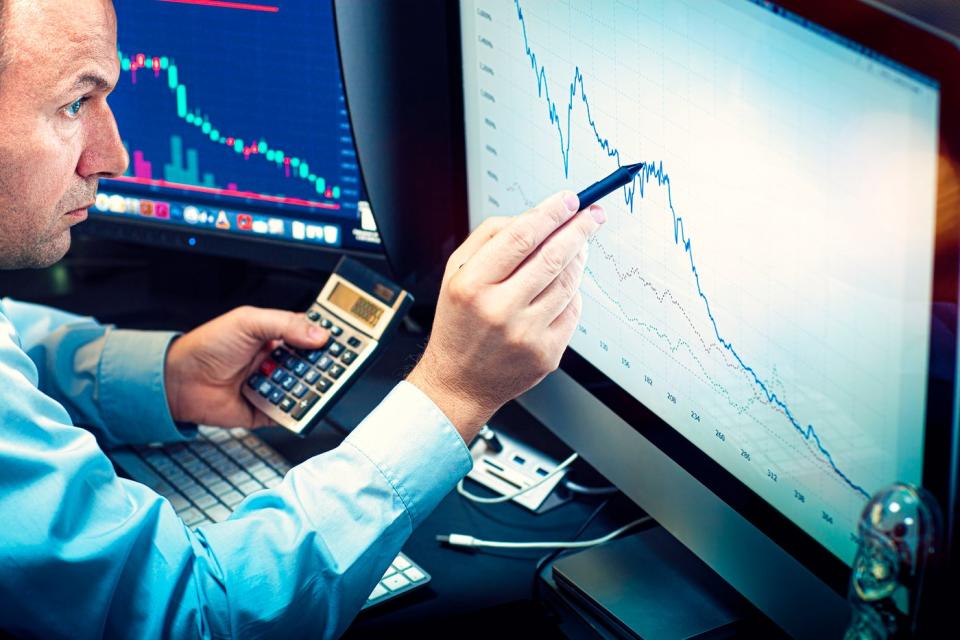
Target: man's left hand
x,y
207,367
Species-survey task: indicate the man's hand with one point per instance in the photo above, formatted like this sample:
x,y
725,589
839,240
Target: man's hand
x,y
207,367
508,306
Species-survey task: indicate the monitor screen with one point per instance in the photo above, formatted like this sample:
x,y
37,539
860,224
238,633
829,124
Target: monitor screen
x,y
764,285
234,119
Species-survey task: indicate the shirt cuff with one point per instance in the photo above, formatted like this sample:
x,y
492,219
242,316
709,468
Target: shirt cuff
x,y
133,397
415,447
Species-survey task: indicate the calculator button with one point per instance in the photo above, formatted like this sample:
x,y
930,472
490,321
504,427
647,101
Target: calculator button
x,y
324,385
311,376
290,361
275,396
335,330
278,354
267,367
324,363
304,405
300,390
286,404
300,368
313,356
288,381
314,316
278,375
265,388
354,341
348,357
326,324
334,348
254,381
336,371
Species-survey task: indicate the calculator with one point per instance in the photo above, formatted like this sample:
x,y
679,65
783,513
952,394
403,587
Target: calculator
x,y
360,308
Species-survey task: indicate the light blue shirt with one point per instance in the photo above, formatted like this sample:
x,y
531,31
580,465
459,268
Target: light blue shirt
x,y
84,553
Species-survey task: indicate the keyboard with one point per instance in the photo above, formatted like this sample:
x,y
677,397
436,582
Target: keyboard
x,y
205,479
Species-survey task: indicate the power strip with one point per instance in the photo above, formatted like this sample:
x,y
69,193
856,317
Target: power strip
x,y
505,465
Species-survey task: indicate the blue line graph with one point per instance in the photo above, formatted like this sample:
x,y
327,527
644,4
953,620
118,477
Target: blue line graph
x,y
655,172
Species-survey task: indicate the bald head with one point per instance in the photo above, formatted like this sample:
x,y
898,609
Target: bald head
x,y
57,133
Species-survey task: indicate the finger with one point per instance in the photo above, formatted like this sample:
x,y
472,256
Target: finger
x,y
561,330
553,256
480,236
507,250
265,325
557,296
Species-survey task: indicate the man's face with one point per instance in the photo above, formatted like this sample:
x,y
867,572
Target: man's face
x,y
57,133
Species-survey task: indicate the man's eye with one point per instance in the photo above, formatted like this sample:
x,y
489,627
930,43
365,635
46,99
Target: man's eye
x,y
74,108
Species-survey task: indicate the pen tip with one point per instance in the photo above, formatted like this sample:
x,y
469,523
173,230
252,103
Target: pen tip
x,y
635,168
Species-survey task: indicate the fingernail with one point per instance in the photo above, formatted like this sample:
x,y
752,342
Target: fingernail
x,y
598,213
572,201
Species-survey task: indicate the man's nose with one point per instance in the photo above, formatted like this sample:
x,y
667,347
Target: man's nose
x,y
104,155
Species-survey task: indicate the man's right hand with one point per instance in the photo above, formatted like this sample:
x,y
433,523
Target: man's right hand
x,y
508,306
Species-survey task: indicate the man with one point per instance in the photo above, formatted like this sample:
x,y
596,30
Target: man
x,y
84,553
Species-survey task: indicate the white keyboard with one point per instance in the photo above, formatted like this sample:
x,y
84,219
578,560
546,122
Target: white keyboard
x,y
205,479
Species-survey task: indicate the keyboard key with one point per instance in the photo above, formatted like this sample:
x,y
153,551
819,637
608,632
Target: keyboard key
x,y
324,385
232,498
265,474
178,502
192,516
348,357
395,582
251,486
334,348
335,371
378,592
219,487
275,396
389,572
218,513
300,390
324,363
272,482
311,376
414,574
239,432
402,563
237,478
286,404
354,341
205,500
304,405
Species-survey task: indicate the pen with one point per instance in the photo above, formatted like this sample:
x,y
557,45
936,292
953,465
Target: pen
x,y
612,182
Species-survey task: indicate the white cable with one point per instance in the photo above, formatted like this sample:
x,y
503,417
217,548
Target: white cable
x,y
589,491
481,500
461,540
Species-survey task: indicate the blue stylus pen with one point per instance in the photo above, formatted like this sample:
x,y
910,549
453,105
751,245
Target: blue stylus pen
x,y
621,177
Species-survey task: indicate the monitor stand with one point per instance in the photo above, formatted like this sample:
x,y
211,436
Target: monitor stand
x,y
649,586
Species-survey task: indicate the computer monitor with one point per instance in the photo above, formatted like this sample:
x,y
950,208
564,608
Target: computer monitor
x,y
754,358
234,118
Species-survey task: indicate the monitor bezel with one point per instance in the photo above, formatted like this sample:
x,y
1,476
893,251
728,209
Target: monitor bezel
x,y
914,47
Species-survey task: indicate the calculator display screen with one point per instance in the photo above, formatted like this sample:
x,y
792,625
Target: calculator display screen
x,y
356,305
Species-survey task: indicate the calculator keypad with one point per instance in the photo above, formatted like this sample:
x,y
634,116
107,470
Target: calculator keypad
x,y
293,381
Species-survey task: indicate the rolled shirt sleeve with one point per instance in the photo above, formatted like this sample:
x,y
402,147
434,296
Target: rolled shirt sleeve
x,y
87,554
109,380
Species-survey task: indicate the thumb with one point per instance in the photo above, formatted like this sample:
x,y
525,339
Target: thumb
x,y
293,328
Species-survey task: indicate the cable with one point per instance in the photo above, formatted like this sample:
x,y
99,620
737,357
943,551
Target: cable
x,y
461,540
481,500
573,487
550,557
